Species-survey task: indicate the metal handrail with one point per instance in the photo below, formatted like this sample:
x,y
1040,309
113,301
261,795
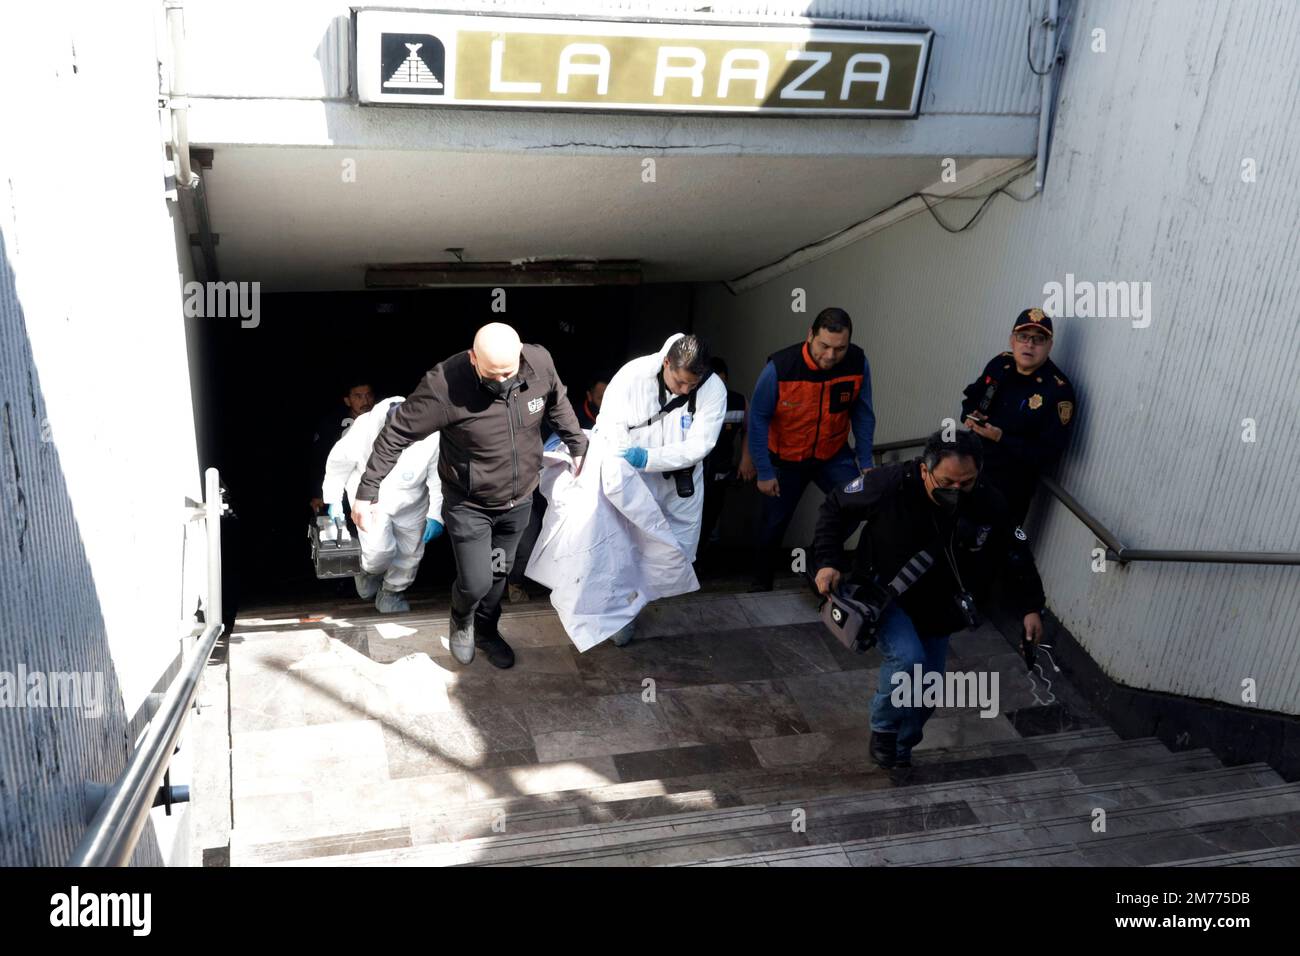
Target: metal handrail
x,y
111,838
1115,550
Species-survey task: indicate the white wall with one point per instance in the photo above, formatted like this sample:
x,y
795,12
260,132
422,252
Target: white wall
x,y
97,451
1144,184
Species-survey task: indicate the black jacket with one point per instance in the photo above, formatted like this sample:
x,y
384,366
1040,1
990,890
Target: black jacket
x,y
1036,415
490,449
901,521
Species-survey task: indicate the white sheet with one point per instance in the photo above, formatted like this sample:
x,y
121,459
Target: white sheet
x,y
605,549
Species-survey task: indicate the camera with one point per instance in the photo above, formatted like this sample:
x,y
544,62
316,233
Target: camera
x,y
966,605
854,613
685,479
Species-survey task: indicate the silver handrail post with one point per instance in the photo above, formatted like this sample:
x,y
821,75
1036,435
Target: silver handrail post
x,y
111,838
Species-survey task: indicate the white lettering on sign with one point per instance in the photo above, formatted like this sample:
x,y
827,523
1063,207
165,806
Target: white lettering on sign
x,y
443,59
818,58
695,72
731,72
599,69
498,85
880,77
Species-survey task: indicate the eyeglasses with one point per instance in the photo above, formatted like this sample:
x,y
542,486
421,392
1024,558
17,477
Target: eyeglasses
x,y
966,485
1025,338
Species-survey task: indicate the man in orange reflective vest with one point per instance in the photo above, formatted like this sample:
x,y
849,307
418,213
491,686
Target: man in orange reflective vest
x,y
807,399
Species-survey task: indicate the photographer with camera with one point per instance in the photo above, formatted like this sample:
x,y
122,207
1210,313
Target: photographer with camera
x,y
934,538
663,414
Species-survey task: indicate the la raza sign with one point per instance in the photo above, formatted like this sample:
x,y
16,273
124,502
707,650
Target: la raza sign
x,y
434,59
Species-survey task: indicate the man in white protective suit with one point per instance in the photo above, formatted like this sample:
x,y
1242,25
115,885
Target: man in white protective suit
x,y
408,517
663,413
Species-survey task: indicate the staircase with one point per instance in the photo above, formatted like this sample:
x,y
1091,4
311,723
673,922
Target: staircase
x,y
733,732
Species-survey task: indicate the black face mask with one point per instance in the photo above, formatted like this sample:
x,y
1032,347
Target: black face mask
x,y
499,389
947,498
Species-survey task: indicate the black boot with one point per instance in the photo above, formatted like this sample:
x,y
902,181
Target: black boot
x,y
497,650
883,749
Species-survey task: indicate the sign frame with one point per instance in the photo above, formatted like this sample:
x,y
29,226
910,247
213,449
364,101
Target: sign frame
x,y
757,29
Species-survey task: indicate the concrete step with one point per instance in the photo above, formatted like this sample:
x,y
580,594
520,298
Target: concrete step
x,y
880,816
434,610
839,767
1159,832
1271,856
689,836
1166,838
1169,848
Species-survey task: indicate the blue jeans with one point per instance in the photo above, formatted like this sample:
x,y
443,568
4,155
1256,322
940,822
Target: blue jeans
x,y
777,512
902,649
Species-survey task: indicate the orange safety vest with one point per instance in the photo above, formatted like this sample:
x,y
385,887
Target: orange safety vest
x,y
814,407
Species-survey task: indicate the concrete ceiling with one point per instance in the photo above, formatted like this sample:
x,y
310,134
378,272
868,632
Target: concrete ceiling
x,y
287,216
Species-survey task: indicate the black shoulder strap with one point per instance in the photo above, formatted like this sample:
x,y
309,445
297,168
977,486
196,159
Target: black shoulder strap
x,y
908,574
677,401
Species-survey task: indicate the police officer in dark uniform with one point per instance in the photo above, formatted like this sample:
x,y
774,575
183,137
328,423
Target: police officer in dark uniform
x,y
1022,407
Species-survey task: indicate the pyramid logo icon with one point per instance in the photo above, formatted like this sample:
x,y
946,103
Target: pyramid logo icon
x,y
412,72
412,63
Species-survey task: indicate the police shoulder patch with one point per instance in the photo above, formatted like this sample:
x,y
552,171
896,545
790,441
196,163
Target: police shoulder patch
x,y
855,485
1020,534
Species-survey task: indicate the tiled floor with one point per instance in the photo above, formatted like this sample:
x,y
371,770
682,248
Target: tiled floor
x,y
344,723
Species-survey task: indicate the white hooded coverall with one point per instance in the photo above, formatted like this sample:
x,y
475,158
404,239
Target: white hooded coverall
x,y
410,493
632,398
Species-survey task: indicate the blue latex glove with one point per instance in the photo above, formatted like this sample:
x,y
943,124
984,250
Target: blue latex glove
x,y
636,457
432,528
335,512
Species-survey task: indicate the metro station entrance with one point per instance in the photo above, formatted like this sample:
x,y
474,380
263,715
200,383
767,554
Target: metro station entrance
x,y
267,388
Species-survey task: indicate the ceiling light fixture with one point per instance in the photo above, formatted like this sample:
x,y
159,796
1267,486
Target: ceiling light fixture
x,y
538,272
